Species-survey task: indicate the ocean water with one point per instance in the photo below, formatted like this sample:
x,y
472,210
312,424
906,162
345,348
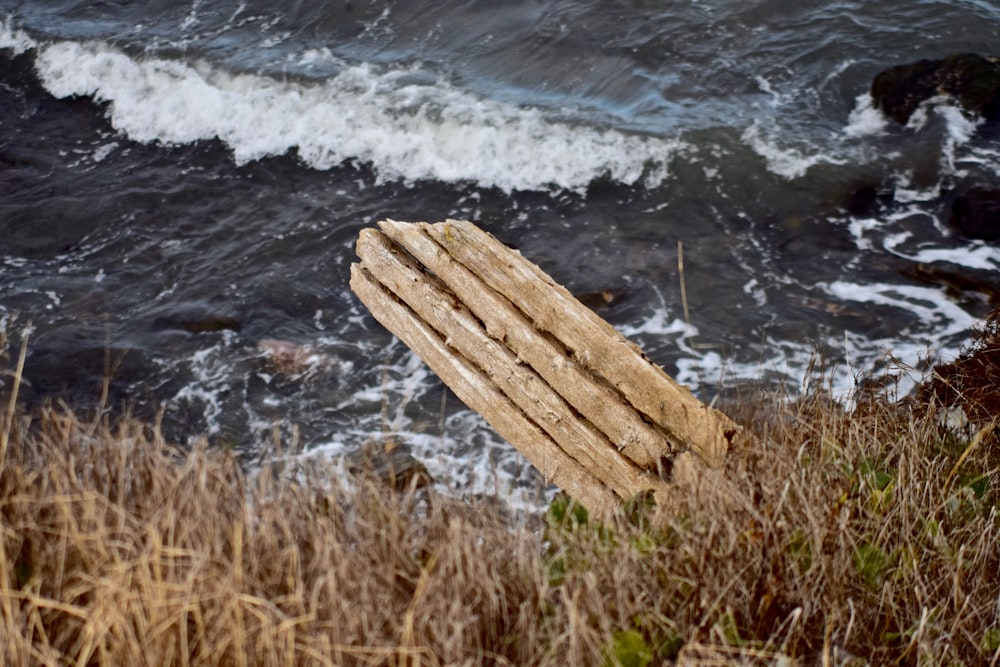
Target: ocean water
x,y
181,185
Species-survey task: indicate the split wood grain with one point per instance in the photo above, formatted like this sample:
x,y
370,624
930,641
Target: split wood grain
x,y
427,297
595,401
580,401
477,391
593,342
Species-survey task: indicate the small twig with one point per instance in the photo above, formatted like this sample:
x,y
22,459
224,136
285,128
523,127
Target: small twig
x,y
680,271
442,420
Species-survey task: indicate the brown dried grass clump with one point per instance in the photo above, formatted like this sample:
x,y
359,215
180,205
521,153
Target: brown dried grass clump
x,y
121,550
869,536
973,380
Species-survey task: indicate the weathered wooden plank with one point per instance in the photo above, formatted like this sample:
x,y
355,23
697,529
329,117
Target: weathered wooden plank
x,y
443,311
594,343
594,400
478,391
562,385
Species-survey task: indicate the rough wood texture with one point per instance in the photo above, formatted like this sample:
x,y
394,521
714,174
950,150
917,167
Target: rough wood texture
x,y
580,401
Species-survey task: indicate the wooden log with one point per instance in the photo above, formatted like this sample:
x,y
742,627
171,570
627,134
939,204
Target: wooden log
x,y
464,334
594,343
478,392
579,400
595,401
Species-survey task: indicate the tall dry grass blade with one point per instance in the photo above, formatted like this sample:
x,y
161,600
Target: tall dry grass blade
x,y
977,439
12,403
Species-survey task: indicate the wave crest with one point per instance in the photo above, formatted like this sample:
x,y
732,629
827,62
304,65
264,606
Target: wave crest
x,y
404,130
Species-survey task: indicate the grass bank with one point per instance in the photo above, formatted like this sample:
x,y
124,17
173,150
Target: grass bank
x,y
868,536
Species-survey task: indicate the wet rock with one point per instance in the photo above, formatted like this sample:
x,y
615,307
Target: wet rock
x,y
290,358
863,201
196,318
976,214
602,300
969,287
973,80
211,324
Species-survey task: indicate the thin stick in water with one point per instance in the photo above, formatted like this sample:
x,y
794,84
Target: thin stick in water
x,y
680,271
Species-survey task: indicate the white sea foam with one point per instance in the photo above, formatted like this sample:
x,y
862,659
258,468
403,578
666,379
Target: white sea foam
x,y
496,469
211,373
971,254
865,120
871,233
904,192
930,305
13,38
978,256
961,126
660,323
941,322
405,130
462,454
988,158
704,370
785,162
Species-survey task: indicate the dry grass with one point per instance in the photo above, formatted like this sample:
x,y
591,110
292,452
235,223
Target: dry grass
x,y
869,537
119,550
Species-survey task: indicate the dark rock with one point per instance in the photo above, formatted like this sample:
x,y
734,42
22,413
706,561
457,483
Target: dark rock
x,y
973,80
196,318
976,214
971,288
601,300
212,324
862,201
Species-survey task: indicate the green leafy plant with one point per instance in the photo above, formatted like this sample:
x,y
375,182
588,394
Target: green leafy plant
x,y
991,640
871,564
627,648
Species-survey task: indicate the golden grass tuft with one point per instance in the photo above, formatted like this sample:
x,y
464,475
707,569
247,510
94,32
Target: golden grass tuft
x,y
120,550
862,537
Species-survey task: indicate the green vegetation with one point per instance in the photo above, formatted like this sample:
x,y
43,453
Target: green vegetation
x,y
842,537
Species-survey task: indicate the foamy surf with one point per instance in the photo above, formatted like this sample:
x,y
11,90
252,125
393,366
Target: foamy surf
x,y
14,38
402,401
785,161
789,205
405,125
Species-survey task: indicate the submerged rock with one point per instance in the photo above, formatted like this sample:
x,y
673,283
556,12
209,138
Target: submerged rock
x,y
196,318
862,200
602,300
390,461
290,358
211,324
971,288
976,214
973,80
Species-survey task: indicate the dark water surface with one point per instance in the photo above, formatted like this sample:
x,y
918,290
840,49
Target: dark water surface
x,y
180,181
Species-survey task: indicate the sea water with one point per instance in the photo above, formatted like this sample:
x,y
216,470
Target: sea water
x,y
181,185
